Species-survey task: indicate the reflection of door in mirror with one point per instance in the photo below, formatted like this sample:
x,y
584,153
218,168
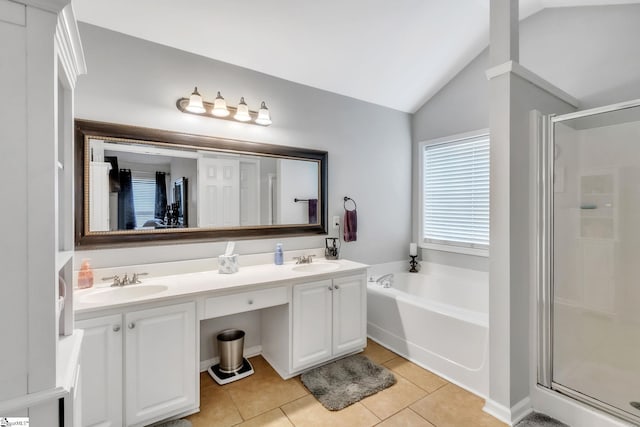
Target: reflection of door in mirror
x,y
249,192
219,192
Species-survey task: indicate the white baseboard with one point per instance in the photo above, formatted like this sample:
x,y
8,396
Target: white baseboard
x,y
248,352
510,416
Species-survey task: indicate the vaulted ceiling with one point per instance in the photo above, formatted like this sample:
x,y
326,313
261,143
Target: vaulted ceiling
x,y
395,53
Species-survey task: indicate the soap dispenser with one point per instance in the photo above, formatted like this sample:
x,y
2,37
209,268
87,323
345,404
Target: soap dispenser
x,y
85,275
279,255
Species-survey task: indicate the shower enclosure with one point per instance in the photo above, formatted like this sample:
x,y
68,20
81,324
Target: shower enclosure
x,y
589,258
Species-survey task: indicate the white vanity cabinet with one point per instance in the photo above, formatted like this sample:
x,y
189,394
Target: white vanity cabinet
x,y
101,374
157,349
328,319
160,362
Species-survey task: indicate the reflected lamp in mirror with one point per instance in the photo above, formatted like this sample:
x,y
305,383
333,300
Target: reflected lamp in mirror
x,y
140,185
219,109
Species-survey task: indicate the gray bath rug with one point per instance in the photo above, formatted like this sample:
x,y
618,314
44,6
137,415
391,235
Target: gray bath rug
x,y
346,381
175,423
536,419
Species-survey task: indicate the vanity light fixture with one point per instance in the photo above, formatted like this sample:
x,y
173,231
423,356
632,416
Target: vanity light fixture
x,y
195,102
264,118
242,113
218,109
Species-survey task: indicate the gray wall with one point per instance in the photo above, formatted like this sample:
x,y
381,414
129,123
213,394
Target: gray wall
x,y
589,52
135,82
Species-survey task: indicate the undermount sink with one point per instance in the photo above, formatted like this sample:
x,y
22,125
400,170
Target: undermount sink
x,y
124,293
316,267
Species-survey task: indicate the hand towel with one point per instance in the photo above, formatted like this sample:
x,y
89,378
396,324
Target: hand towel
x,y
313,211
350,226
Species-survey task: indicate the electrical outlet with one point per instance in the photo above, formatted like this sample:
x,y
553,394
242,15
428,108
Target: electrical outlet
x,y
336,222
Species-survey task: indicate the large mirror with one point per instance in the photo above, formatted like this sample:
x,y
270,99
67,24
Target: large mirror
x,y
143,185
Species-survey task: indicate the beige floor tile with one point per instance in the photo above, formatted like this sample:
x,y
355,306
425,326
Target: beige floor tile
x,y
216,409
405,418
421,377
393,399
308,412
273,418
452,406
264,390
377,353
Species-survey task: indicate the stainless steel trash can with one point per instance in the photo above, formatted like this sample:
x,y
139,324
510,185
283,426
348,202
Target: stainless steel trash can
x,y
230,347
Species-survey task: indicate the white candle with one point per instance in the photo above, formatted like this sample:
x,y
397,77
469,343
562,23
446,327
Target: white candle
x,y
413,249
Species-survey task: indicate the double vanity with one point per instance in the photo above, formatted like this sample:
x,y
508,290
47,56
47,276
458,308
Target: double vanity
x,y
141,357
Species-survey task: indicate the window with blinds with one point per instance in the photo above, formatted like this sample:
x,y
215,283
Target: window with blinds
x,y
455,198
144,196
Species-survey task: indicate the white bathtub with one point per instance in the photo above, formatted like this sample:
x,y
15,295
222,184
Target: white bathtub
x,y
438,319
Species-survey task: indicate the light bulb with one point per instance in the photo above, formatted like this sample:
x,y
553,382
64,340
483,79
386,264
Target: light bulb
x,y
220,107
264,118
195,102
242,113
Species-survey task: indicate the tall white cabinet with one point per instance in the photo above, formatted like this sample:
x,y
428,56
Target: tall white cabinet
x,y
40,59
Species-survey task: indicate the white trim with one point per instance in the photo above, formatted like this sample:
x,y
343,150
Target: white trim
x,y
457,137
69,45
533,78
497,410
521,410
32,400
420,239
512,415
453,248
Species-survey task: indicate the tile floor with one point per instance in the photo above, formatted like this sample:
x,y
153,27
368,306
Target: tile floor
x,y
419,398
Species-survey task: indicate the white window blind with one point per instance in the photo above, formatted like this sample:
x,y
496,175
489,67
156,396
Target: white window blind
x,y
144,196
456,193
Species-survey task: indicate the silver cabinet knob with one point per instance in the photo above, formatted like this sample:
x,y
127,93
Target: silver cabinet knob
x,y
250,302
132,325
330,288
336,287
116,328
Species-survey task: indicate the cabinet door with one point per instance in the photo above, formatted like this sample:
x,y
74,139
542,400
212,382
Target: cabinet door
x,y
101,371
160,362
349,314
311,323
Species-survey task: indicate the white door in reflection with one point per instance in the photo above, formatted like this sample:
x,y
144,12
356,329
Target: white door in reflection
x,y
219,192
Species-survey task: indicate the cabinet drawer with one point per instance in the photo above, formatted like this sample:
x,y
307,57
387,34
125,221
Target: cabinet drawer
x,y
245,301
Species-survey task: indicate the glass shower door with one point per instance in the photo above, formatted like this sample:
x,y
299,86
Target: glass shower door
x,y
595,262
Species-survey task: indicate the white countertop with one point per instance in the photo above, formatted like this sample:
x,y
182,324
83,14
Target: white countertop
x,y
203,282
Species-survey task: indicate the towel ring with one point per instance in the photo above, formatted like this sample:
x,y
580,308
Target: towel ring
x,y
346,199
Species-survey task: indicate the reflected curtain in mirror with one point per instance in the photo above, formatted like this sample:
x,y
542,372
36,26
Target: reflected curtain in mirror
x,y
161,196
126,207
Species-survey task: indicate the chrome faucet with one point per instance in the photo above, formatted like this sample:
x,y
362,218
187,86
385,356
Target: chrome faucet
x,y
136,277
385,281
308,259
117,281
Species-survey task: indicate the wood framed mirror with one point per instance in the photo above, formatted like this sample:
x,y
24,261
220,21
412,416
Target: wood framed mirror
x,y
143,186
